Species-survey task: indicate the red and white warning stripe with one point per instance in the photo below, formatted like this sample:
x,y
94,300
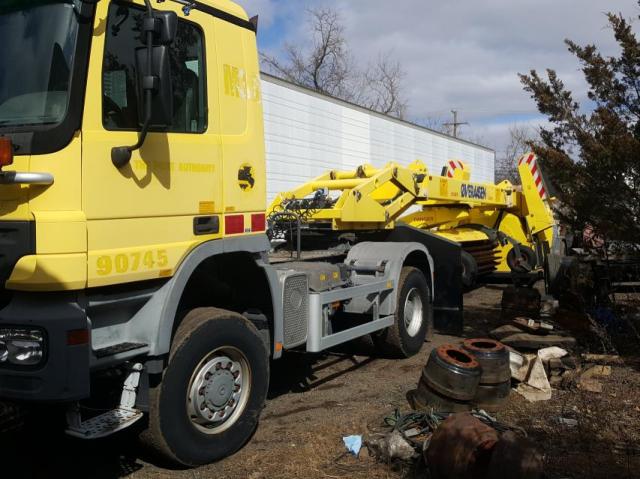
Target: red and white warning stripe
x,y
530,160
453,166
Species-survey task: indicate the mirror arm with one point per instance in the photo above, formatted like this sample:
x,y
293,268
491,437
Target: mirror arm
x,y
121,155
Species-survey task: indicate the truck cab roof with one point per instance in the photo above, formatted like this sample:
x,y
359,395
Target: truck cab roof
x,y
227,6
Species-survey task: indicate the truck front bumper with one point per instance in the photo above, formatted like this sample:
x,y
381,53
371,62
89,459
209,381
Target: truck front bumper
x,y
63,372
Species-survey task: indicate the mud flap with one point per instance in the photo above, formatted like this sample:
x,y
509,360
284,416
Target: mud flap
x,y
447,258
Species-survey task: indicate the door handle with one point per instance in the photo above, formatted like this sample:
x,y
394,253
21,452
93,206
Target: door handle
x,y
205,225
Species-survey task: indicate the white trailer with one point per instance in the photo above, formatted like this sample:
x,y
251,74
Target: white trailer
x,y
308,133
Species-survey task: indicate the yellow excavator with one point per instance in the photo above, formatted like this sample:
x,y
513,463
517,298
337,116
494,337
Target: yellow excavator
x,y
503,229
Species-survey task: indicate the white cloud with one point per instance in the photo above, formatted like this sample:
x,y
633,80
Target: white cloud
x,y
265,9
465,54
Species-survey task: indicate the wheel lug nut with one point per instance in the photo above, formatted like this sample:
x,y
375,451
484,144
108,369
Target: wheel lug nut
x,y
207,376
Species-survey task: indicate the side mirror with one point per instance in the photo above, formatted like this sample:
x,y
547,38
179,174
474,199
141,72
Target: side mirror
x,y
159,81
165,30
155,91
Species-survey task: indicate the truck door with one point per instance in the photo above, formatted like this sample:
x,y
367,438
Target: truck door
x,y
143,218
241,123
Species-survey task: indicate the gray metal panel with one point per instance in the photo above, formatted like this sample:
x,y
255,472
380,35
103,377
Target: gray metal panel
x,y
153,323
395,254
295,308
350,334
342,294
318,340
273,279
307,133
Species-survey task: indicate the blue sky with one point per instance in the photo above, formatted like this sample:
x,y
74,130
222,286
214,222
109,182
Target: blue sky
x,y
459,54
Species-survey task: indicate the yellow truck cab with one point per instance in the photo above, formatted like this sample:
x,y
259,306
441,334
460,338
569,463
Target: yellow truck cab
x,y
132,211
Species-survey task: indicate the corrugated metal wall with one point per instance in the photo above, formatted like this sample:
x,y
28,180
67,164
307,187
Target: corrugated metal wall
x,y
307,134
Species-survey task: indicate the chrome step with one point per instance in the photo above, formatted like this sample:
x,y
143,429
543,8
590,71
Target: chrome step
x,y
111,421
105,424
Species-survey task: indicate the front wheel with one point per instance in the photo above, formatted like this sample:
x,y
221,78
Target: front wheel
x,y
413,318
209,399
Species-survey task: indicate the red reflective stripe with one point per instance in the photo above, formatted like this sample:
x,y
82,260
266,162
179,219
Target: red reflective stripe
x,y
452,165
461,165
530,159
542,192
258,222
538,180
534,169
234,224
449,174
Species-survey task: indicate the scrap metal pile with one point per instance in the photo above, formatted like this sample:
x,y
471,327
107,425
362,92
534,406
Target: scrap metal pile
x,y
461,445
450,431
594,270
475,374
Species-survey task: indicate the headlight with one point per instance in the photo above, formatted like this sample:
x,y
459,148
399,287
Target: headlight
x,y
22,347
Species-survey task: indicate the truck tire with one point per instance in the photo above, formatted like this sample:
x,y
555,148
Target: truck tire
x,y
207,404
523,263
413,322
469,270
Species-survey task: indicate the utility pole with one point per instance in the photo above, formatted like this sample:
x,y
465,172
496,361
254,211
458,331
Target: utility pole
x,y
455,124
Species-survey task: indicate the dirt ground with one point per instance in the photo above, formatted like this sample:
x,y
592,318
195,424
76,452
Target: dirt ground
x,y
316,400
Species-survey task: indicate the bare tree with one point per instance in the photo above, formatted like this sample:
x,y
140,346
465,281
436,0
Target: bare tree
x,y
433,123
328,67
384,87
520,140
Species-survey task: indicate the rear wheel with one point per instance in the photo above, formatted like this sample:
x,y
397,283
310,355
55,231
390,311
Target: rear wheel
x,y
469,269
413,317
524,262
208,401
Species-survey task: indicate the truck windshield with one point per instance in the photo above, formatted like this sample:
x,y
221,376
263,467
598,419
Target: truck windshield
x,y
37,46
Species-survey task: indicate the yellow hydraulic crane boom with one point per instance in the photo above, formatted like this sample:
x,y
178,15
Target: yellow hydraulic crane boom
x,y
368,198
536,206
374,198
498,239
500,226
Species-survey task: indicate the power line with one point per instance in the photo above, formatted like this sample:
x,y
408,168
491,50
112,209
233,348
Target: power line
x,y
455,124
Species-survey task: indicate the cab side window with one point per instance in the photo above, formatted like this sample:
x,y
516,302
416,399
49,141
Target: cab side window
x,y
119,98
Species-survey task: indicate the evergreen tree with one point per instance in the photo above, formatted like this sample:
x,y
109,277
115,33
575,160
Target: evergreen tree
x,y
592,154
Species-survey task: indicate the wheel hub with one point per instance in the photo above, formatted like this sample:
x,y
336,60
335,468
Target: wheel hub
x,y
219,389
413,313
215,391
